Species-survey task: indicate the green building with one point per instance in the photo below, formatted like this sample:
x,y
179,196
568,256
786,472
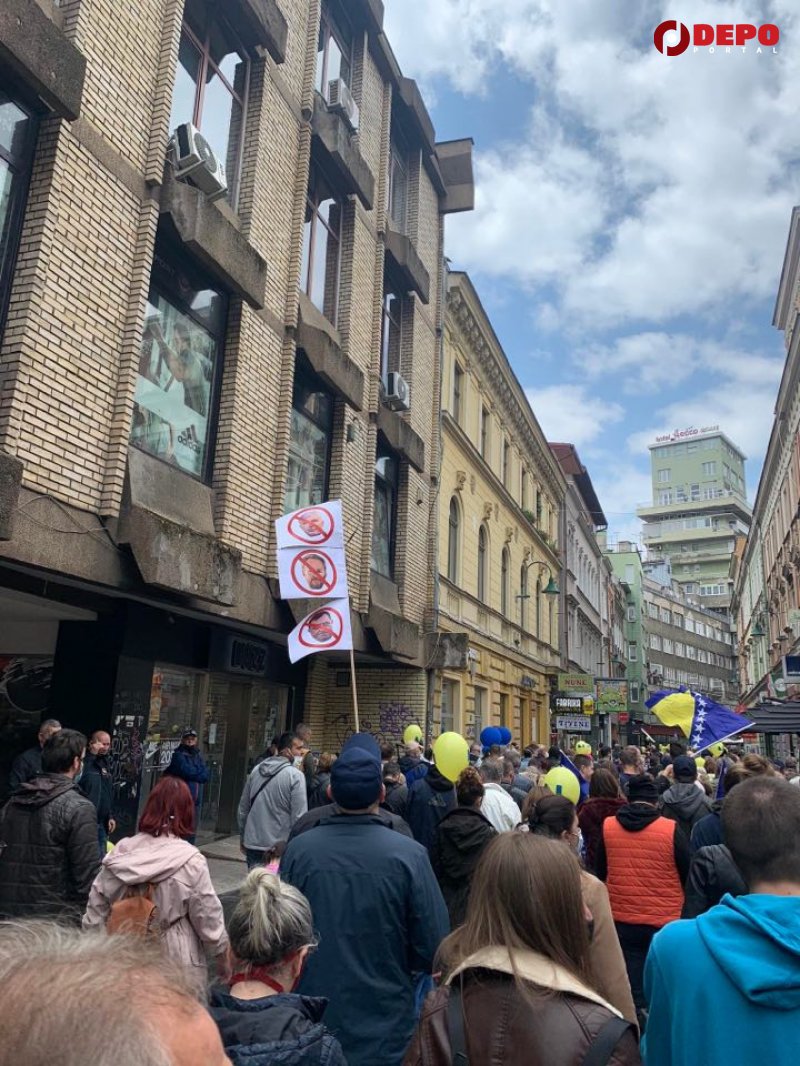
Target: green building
x,y
626,562
699,506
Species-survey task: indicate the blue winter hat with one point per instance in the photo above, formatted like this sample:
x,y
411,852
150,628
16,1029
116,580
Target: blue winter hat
x,y
356,778
364,741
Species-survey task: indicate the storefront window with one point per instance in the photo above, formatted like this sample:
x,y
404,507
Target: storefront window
x,y
309,445
17,140
178,361
386,484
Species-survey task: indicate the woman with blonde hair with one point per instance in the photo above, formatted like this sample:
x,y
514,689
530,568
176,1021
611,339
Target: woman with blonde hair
x,y
519,970
261,1019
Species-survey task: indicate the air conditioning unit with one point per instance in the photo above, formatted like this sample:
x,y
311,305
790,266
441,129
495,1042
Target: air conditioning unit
x,y
398,396
341,99
194,159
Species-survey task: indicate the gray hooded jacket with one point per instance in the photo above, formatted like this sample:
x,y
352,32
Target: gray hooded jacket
x,y
274,797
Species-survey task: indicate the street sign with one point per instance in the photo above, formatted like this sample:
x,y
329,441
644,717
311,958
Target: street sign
x,y
624,718
573,723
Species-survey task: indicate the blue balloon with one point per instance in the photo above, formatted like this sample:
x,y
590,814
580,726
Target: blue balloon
x,y
490,735
505,734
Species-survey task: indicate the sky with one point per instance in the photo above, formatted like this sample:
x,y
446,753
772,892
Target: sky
x,y
631,213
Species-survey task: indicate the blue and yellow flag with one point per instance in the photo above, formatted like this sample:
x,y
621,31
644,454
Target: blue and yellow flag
x,y
699,718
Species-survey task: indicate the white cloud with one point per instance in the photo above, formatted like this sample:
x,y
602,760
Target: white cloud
x,y
647,187
570,413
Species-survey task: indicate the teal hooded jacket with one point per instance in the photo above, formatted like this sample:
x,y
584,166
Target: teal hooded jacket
x,y
724,988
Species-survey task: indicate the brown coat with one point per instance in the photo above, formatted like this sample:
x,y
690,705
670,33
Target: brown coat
x,y
503,1029
608,962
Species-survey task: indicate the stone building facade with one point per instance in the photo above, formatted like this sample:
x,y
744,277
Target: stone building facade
x,y
501,494
185,357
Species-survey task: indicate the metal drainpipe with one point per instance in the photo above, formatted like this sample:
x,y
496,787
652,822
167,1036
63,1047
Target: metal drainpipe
x,y
443,273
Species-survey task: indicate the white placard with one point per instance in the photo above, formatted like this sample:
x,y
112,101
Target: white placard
x,y
312,573
325,629
574,723
317,526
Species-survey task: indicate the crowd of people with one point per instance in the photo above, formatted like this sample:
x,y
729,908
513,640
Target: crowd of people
x,y
392,916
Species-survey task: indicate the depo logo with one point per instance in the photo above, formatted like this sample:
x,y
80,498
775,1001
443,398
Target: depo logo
x,y
703,35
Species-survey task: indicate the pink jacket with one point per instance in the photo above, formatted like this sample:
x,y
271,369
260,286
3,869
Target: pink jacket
x,y
183,894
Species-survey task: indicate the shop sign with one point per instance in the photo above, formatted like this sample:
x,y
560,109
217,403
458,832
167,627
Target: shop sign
x,y
573,723
237,655
568,703
576,684
624,718
612,695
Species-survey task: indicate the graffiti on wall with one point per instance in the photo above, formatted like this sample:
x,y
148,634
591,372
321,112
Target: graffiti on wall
x,y
387,727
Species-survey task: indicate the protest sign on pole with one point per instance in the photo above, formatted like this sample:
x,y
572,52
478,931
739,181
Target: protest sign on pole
x,y
312,573
325,629
311,527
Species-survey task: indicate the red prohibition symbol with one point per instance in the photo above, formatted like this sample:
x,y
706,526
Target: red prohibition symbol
x,y
322,629
313,525
314,573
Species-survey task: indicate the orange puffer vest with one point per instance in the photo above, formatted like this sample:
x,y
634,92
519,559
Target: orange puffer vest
x,y
643,883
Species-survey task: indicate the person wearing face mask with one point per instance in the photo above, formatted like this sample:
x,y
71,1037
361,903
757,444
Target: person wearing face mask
x,y
260,1017
556,817
274,797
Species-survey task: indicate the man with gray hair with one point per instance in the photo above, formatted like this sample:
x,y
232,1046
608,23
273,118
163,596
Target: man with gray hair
x,y
497,805
29,764
136,1006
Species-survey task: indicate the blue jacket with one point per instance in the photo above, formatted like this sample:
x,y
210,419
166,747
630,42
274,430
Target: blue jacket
x,y
739,962
282,1030
187,763
708,830
380,918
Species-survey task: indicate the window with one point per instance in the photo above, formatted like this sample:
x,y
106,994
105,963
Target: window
x,y
450,694
176,386
319,272
523,596
479,712
17,142
665,497
652,610
505,576
538,508
665,475
655,642
458,389
398,184
633,651
452,541
665,615
694,492
680,649
504,720
334,52
211,85
485,432
539,608
483,551
523,488
631,614
669,647
309,442
691,651
629,573
391,329
506,462
634,692
385,514
709,469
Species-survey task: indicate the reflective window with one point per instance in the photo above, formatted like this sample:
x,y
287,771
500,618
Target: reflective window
x,y
310,442
391,328
334,52
483,551
319,271
17,141
398,184
452,542
385,512
211,86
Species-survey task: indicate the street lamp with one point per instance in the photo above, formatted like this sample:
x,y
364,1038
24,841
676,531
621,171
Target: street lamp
x,y
550,589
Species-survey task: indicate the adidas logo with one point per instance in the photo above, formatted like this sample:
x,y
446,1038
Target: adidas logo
x,y
189,440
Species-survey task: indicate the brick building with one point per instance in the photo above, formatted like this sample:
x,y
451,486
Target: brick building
x,y
500,499
167,388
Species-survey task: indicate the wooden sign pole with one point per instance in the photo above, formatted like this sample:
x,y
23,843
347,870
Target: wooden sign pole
x,y
355,690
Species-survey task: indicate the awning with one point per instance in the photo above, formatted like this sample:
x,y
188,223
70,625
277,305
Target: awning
x,y
774,717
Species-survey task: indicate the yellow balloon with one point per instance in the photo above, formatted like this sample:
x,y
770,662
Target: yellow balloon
x,y
451,754
583,747
411,732
700,762
563,782
717,750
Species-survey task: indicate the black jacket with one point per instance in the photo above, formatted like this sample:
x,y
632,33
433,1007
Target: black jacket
x,y
396,798
311,820
709,829
318,794
25,767
685,804
637,816
281,1030
48,849
97,785
712,873
429,800
461,836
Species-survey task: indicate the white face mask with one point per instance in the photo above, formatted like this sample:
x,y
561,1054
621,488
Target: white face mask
x,y
298,761
579,842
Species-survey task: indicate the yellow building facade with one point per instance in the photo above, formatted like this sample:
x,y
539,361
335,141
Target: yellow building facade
x,y
500,496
